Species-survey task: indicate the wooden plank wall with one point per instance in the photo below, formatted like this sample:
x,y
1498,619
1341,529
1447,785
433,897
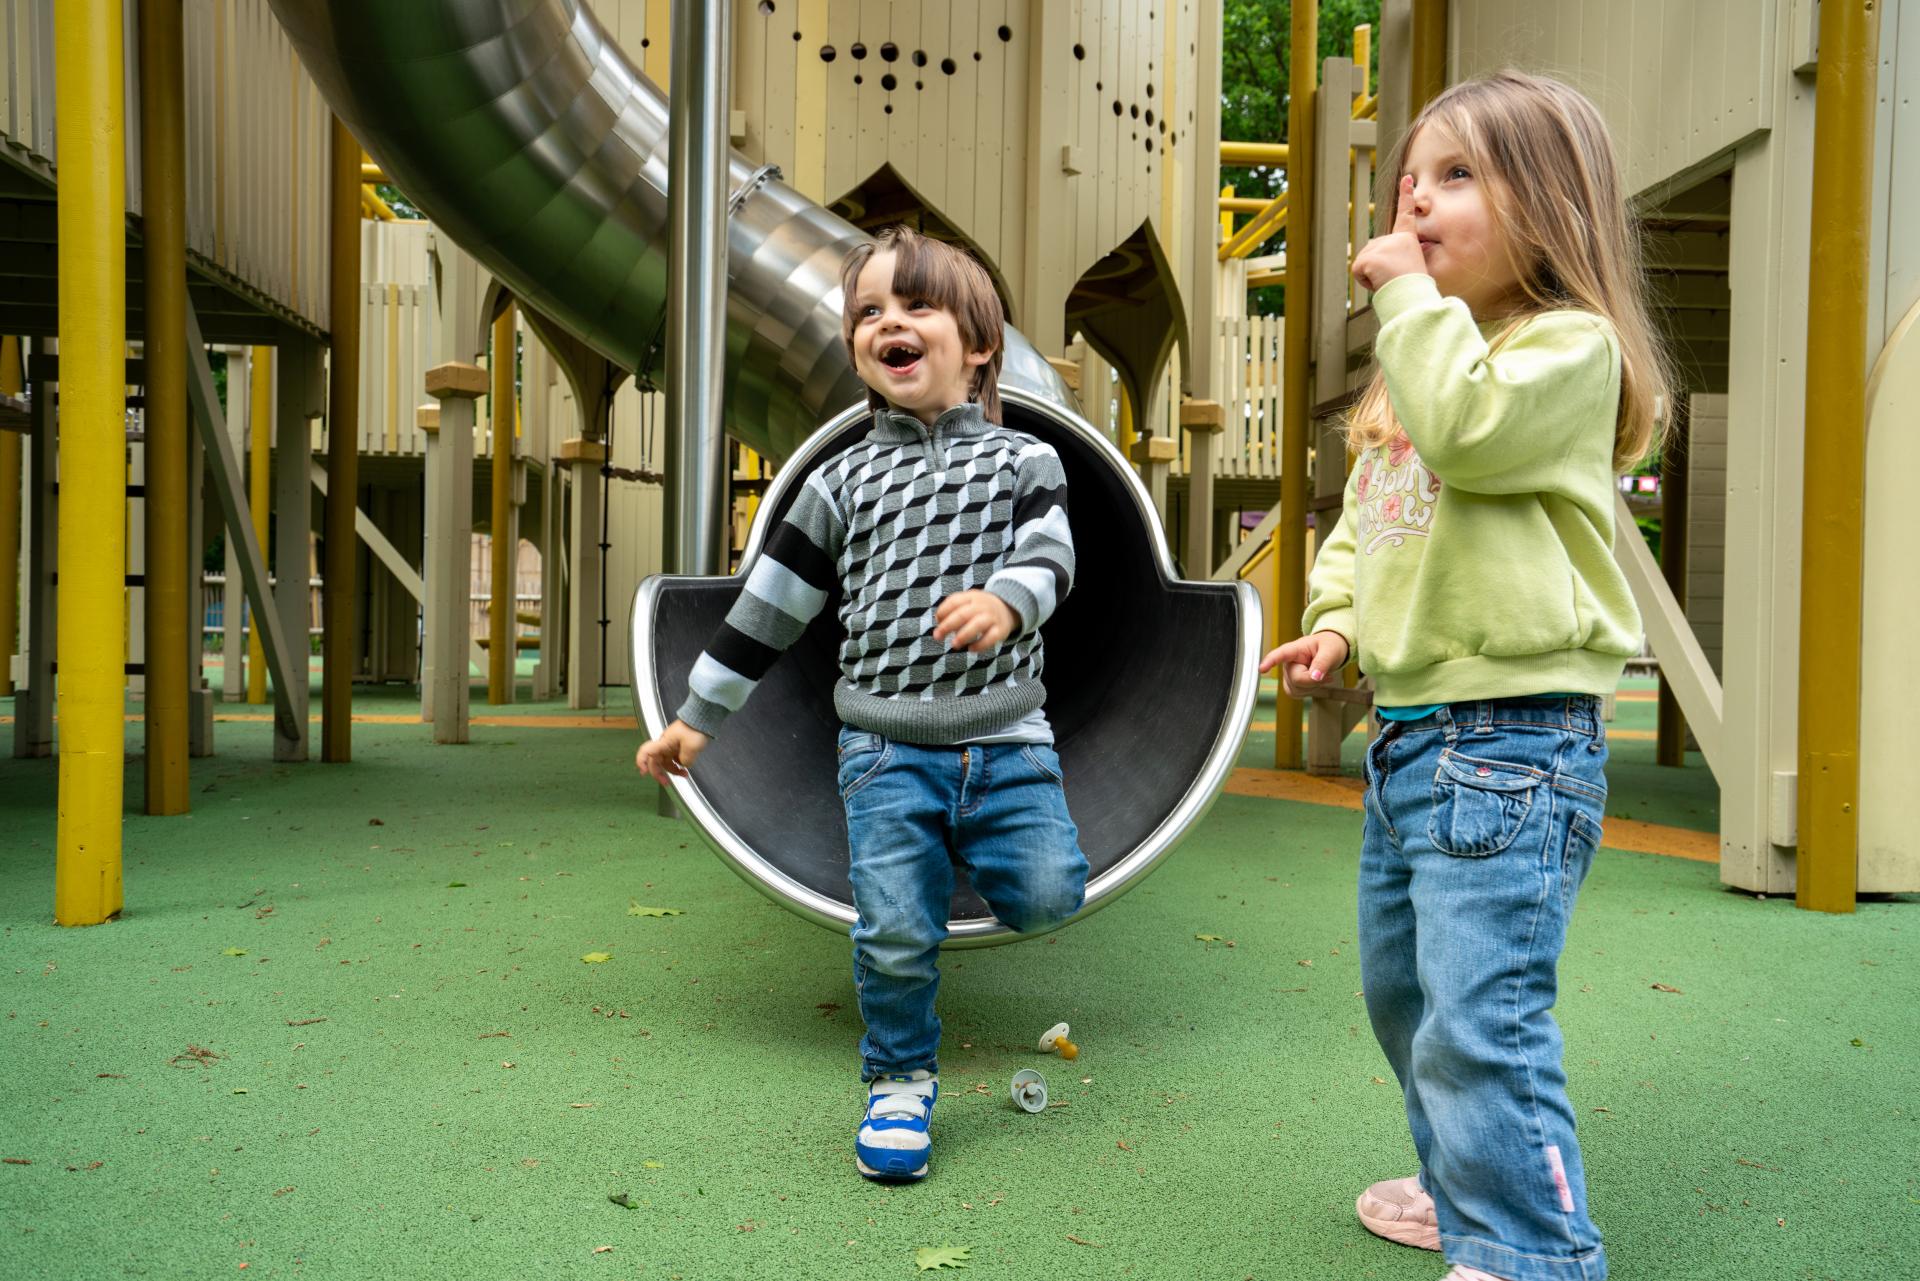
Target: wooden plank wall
x,y
256,144
959,124
1678,81
1707,523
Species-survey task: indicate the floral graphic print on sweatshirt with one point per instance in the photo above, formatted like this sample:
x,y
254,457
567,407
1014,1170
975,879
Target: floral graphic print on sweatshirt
x,y
1395,494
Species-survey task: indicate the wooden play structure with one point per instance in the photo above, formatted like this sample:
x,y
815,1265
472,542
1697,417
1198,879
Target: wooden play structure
x,y
214,322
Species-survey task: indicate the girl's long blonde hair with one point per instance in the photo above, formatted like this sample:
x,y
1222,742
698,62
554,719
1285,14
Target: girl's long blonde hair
x,y
1553,189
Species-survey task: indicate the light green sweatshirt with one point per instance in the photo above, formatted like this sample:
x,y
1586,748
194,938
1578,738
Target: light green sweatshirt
x,y
1474,555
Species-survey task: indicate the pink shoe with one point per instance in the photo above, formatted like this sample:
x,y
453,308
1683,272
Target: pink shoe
x,y
1402,1212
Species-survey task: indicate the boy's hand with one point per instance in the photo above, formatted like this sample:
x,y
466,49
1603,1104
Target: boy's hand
x,y
1395,254
1307,663
975,621
677,747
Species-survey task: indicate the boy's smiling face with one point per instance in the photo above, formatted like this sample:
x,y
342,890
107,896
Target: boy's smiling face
x,y
907,349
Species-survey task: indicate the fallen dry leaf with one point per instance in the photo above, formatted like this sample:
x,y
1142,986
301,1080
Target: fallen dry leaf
x,y
601,1249
1662,987
1122,1145
1078,1241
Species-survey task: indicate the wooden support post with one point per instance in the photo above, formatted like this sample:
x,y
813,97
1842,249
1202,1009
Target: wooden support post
x,y
582,458
260,500
165,594
1670,734
1153,455
1203,421
13,381
427,418
450,454
343,449
503,535
1290,588
297,383
33,705
233,638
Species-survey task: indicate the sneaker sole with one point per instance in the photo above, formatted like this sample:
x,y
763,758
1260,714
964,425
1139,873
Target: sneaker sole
x,y
1420,1236
891,1176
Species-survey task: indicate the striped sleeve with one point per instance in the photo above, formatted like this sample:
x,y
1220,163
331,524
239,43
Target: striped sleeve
x,y
1039,572
788,584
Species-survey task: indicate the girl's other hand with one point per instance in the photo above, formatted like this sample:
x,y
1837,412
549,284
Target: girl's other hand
x,y
678,746
1395,254
1306,664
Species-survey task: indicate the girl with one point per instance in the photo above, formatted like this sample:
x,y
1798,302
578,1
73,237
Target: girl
x,y
1471,575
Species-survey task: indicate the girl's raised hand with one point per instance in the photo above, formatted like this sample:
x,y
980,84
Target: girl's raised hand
x,y
1395,254
1307,663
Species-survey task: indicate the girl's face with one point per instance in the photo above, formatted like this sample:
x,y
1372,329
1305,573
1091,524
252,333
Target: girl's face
x,y
1465,250
907,349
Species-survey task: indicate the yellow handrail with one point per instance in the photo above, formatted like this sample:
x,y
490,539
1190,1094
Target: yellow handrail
x,y
1273,154
1257,231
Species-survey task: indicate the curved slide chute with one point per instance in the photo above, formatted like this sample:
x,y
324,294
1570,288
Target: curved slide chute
x,y
526,134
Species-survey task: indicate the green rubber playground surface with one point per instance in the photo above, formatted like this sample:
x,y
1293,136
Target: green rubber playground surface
x,y
344,1029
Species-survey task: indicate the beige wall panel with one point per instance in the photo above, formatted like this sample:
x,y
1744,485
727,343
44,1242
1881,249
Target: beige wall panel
x,y
808,175
934,120
1084,104
870,139
1016,214
1679,81
990,111
928,175
843,100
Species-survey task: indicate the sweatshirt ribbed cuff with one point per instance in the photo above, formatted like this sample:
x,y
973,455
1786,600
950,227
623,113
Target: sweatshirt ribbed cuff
x,y
702,715
1343,621
1402,294
1024,604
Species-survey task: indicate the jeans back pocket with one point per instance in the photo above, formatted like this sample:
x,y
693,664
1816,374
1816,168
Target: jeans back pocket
x,y
1478,805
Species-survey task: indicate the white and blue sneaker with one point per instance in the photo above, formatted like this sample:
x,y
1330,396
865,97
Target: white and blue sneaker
x,y
892,1142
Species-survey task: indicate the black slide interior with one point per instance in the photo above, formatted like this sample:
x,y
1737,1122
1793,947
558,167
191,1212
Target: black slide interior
x,y
1139,673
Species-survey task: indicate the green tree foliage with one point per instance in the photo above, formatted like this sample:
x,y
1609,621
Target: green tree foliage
x,y
1256,51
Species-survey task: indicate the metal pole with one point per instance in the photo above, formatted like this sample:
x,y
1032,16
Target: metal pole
x,y
501,604
343,446
89,96
1834,472
1290,559
164,232
696,444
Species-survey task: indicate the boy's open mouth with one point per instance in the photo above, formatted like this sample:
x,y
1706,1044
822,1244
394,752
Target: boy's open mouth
x,y
900,357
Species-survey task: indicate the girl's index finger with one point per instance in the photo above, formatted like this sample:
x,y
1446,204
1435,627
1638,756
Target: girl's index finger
x,y
1403,216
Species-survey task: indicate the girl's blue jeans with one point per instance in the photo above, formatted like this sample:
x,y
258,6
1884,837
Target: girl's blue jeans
x,y
911,811
1481,822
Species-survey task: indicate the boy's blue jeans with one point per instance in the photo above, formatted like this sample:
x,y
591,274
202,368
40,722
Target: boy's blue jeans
x,y
911,810
1481,822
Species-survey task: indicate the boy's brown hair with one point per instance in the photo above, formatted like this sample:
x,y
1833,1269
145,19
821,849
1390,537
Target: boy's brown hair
x,y
951,279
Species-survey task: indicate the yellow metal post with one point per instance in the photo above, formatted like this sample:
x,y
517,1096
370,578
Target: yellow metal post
x,y
163,198
260,499
1834,470
89,72
1226,214
1290,589
343,446
1125,432
1363,59
501,655
12,382
1429,58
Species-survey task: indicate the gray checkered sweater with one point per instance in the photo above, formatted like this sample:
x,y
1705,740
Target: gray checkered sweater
x,y
902,520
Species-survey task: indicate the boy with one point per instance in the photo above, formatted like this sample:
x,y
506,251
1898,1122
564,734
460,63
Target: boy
x,y
948,535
